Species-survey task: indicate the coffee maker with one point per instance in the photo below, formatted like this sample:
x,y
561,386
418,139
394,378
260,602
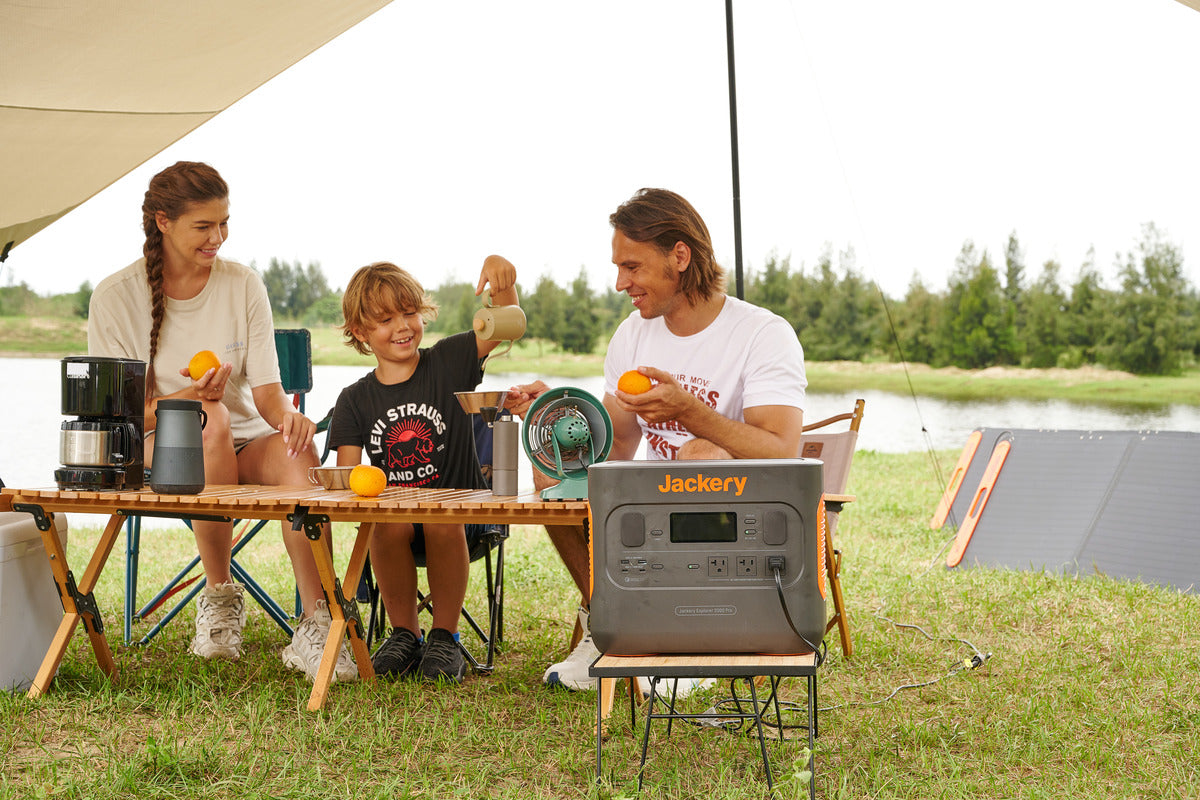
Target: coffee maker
x,y
102,449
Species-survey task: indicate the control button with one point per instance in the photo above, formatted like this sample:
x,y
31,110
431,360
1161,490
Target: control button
x,y
657,565
751,532
750,519
656,533
775,528
633,529
693,566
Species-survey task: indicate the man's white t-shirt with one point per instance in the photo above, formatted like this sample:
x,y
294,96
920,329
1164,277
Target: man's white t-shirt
x,y
231,316
747,357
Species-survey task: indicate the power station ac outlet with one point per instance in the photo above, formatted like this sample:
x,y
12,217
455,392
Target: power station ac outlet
x,y
746,567
718,567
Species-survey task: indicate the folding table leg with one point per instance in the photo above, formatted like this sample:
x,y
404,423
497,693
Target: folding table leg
x,y
762,742
78,603
608,689
812,735
600,732
338,608
354,570
646,732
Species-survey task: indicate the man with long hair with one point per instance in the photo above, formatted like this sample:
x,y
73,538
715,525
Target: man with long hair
x,y
727,376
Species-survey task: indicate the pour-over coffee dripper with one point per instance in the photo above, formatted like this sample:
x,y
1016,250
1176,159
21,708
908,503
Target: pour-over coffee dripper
x,y
489,405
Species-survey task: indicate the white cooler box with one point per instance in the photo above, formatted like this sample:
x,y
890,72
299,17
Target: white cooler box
x,y
30,609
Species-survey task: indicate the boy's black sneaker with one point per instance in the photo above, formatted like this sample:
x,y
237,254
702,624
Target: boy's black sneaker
x,y
443,660
399,655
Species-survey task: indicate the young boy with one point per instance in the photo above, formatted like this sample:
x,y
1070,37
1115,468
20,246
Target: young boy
x,y
405,416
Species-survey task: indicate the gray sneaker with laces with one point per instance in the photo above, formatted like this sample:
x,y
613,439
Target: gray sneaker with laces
x,y
308,645
399,655
220,617
443,660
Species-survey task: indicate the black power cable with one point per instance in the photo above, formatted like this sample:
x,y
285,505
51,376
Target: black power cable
x,y
819,652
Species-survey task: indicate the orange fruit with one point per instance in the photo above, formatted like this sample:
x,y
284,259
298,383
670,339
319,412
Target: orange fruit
x,y
367,481
202,362
634,382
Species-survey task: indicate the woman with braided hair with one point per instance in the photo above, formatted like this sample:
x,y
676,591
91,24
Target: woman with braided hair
x,y
179,298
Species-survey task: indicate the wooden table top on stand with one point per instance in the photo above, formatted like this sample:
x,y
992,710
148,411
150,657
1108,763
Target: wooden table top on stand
x,y
307,509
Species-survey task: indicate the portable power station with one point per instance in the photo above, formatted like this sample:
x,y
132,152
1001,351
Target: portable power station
x,y
684,555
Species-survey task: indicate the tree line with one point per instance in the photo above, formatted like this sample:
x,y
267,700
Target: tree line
x,y
990,312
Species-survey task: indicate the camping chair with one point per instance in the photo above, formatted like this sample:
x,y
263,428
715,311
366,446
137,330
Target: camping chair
x,y
484,543
836,450
293,346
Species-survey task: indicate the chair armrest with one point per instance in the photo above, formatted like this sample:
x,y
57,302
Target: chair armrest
x,y
834,502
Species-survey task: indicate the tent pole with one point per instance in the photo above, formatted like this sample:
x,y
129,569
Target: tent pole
x,y
733,144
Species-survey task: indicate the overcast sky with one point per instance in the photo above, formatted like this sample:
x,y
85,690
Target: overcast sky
x,y
433,134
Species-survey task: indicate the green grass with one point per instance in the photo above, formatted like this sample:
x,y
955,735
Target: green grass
x,y
1084,385
1090,692
42,336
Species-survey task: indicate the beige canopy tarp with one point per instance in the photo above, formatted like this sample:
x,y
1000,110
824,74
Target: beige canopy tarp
x,y
91,89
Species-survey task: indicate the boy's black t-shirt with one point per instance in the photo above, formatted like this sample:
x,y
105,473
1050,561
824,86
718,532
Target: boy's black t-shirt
x,y
416,431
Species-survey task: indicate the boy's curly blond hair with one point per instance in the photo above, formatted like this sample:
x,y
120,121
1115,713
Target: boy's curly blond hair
x,y
377,291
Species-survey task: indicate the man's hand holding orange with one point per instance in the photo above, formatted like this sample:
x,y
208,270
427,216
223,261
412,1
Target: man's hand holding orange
x,y
665,400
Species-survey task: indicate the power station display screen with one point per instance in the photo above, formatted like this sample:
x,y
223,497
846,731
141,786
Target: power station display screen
x,y
704,526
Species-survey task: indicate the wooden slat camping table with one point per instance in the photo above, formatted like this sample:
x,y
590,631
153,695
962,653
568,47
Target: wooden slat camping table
x,y
306,509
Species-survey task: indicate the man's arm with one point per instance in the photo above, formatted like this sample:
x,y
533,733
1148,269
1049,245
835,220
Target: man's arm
x,y
627,433
768,432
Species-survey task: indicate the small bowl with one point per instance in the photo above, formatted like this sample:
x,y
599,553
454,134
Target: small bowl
x,y
474,402
330,477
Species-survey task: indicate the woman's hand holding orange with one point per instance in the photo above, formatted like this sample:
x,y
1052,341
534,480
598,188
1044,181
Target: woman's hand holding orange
x,y
211,385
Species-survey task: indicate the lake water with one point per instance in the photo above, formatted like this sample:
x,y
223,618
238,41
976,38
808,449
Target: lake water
x,y
30,415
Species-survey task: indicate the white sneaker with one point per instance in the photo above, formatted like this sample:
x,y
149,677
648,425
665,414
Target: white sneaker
x,y
573,672
220,617
308,645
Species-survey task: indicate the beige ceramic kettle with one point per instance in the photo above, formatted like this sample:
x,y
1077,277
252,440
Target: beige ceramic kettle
x,y
499,324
